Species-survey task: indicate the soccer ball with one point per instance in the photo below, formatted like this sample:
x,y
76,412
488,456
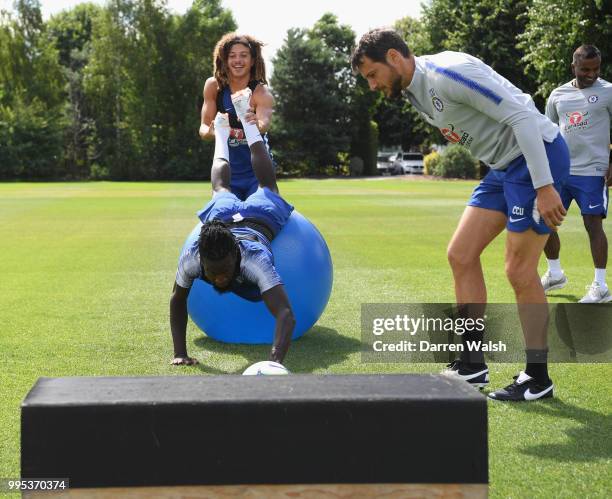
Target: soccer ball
x,y
265,368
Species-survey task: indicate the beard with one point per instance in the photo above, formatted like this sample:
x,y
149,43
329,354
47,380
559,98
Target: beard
x,y
395,92
585,82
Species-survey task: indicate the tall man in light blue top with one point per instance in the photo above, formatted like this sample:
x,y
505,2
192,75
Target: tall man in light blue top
x,y
474,106
582,108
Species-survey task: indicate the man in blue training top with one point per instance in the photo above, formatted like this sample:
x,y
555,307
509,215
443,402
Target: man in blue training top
x,y
238,65
474,106
233,252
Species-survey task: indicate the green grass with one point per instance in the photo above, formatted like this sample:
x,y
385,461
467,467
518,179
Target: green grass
x,y
86,271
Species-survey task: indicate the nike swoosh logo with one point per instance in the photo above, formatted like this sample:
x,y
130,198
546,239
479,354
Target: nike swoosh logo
x,y
465,377
533,396
594,206
512,220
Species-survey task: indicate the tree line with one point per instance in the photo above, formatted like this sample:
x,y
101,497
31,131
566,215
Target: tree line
x,y
114,91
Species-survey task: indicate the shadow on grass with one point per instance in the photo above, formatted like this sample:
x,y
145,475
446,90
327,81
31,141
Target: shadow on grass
x,y
566,296
319,348
589,442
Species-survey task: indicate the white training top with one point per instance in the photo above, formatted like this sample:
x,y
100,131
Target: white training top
x,y
583,114
474,106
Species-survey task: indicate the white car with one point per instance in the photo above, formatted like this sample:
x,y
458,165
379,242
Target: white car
x,y
385,163
409,162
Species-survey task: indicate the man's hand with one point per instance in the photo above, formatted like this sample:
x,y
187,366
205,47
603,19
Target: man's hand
x,y
550,206
184,361
207,131
609,176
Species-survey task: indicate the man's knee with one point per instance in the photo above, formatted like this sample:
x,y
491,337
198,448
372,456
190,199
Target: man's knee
x,y
520,274
593,225
460,258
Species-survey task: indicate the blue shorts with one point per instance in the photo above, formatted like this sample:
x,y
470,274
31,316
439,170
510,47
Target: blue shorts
x,y
243,187
511,190
590,193
243,181
264,205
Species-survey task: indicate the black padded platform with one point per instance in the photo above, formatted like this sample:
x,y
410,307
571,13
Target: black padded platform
x,y
179,430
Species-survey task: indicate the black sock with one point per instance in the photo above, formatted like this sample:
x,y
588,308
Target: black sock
x,y
537,365
472,357
472,312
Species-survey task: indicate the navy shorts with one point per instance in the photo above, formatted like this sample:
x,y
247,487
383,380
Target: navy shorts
x,y
264,205
511,190
245,186
590,193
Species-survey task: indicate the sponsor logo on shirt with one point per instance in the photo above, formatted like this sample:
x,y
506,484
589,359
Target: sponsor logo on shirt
x,y
593,99
237,137
576,120
465,139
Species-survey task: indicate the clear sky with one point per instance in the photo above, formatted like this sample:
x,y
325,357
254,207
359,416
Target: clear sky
x,y
269,20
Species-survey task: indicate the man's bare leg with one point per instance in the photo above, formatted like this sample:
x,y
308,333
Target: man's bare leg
x,y
220,175
523,250
476,229
598,291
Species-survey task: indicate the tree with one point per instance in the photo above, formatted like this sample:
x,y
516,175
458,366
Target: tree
x,y
146,71
548,46
195,36
487,29
312,83
31,96
72,32
365,132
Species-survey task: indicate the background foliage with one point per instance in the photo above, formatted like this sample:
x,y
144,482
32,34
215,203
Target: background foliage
x,y
114,91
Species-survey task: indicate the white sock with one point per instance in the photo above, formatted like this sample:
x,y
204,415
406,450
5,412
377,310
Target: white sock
x,y
222,132
555,268
241,101
252,133
600,277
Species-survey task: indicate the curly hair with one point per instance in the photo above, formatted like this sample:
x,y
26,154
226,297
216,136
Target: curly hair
x,y
216,240
221,54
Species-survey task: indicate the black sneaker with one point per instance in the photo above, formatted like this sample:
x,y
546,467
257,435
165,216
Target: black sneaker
x,y
475,376
524,388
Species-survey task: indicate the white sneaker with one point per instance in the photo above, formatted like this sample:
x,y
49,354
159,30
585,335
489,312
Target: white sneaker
x,y
548,283
241,101
596,294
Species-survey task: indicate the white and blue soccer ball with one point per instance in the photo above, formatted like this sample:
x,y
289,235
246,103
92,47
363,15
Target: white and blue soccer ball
x,y
266,368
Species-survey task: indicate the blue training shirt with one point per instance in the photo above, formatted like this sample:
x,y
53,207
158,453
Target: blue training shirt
x,y
257,273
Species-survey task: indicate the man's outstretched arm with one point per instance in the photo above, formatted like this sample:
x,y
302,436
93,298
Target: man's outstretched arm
x,y
277,301
260,158
178,325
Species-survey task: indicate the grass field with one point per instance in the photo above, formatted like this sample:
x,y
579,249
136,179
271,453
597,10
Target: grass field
x,y
86,271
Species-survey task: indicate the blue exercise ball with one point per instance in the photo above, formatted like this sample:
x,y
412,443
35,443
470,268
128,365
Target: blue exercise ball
x,y
302,260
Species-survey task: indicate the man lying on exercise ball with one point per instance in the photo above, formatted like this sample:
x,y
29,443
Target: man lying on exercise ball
x,y
233,252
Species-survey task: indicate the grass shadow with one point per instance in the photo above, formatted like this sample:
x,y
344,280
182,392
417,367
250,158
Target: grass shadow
x,y
566,296
319,348
589,442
